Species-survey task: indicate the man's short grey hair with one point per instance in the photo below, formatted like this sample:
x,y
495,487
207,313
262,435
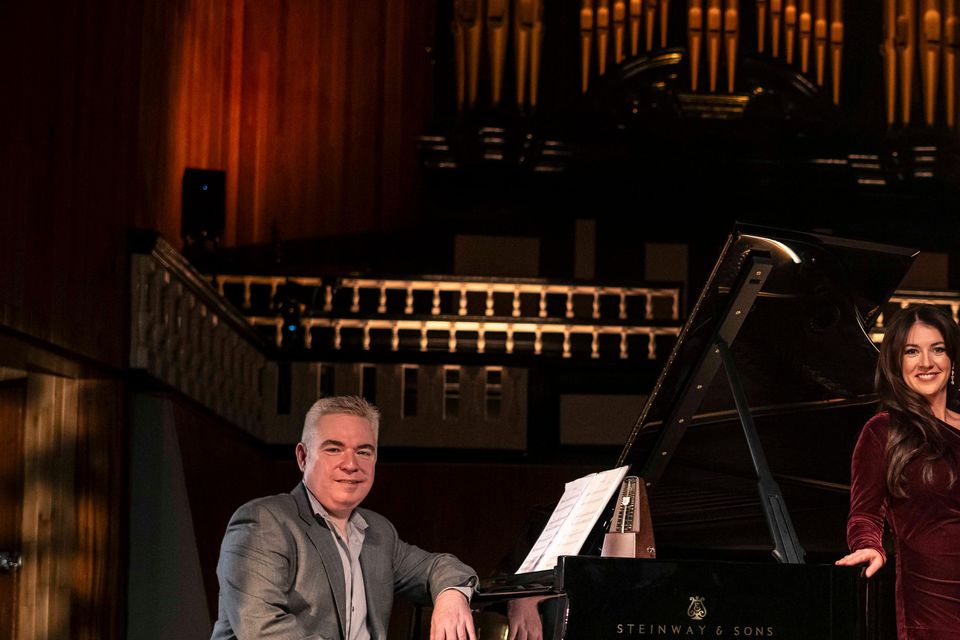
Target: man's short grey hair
x,y
349,405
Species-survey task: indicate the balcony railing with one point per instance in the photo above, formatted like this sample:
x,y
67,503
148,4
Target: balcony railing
x,y
903,299
457,315
186,336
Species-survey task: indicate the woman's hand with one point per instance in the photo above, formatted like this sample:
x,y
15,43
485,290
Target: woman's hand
x,y
870,557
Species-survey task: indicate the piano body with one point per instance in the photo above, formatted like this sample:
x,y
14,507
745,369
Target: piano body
x,y
757,409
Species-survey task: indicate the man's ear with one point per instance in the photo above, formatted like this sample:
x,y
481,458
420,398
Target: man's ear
x,y
301,452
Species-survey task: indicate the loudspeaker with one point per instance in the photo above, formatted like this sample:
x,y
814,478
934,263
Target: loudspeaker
x,y
203,208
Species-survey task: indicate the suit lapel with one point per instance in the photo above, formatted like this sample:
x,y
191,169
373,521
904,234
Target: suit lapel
x,y
323,541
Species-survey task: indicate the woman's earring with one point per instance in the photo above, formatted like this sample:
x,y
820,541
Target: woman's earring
x,y
952,367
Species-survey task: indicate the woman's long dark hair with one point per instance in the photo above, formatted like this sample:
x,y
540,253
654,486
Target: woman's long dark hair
x,y
915,433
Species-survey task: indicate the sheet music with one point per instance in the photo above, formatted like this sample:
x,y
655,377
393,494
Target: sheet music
x,y
573,518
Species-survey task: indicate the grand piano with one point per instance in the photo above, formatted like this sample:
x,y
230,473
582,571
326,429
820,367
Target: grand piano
x,y
744,447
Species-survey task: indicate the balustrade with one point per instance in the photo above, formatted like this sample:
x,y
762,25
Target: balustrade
x,y
186,336
474,309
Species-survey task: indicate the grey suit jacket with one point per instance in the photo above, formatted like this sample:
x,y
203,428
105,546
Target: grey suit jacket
x,y
281,577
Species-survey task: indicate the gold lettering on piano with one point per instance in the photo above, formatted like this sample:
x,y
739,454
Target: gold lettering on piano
x,y
753,632
685,630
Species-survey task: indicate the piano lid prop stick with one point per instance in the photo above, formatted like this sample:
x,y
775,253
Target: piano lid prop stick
x,y
650,18
664,22
636,11
603,34
950,47
586,41
820,37
694,38
619,29
497,43
631,529
906,42
790,28
714,34
930,54
806,34
836,46
761,24
731,36
776,13
522,34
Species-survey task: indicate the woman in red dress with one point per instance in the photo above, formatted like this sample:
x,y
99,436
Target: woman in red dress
x,y
904,473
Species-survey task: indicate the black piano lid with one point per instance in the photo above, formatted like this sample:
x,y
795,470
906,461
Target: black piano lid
x,y
806,364
803,344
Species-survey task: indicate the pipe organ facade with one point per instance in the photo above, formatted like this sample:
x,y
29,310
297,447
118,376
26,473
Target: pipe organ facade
x,y
919,44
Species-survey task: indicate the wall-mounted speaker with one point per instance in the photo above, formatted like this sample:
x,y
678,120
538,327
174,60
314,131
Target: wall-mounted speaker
x,y
203,215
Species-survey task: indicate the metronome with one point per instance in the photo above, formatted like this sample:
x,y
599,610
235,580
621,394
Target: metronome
x,y
631,531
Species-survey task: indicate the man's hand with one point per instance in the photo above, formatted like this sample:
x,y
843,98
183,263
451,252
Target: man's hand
x,y
451,618
870,557
524,619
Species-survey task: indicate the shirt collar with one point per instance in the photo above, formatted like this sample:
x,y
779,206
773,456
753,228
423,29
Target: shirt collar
x,y
355,518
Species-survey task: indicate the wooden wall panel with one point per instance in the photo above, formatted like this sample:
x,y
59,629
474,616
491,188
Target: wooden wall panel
x,y
71,584
190,103
68,178
99,568
12,394
312,108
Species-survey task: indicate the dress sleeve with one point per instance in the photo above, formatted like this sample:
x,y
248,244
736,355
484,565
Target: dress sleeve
x,y
868,490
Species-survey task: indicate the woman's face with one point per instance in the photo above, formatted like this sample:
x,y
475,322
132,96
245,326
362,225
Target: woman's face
x,y
924,362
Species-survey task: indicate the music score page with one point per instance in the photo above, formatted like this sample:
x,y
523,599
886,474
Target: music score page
x,y
573,518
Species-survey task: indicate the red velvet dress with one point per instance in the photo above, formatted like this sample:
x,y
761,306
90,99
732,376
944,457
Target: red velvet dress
x,y
926,534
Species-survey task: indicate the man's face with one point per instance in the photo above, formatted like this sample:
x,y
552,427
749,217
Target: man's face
x,y
338,463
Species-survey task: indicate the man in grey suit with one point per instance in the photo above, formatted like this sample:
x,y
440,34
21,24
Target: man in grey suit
x,y
311,564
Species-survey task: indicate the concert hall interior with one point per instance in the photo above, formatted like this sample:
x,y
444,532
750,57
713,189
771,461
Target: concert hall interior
x,y
492,218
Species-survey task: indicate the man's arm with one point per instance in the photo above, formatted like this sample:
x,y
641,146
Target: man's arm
x,y
256,571
444,580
